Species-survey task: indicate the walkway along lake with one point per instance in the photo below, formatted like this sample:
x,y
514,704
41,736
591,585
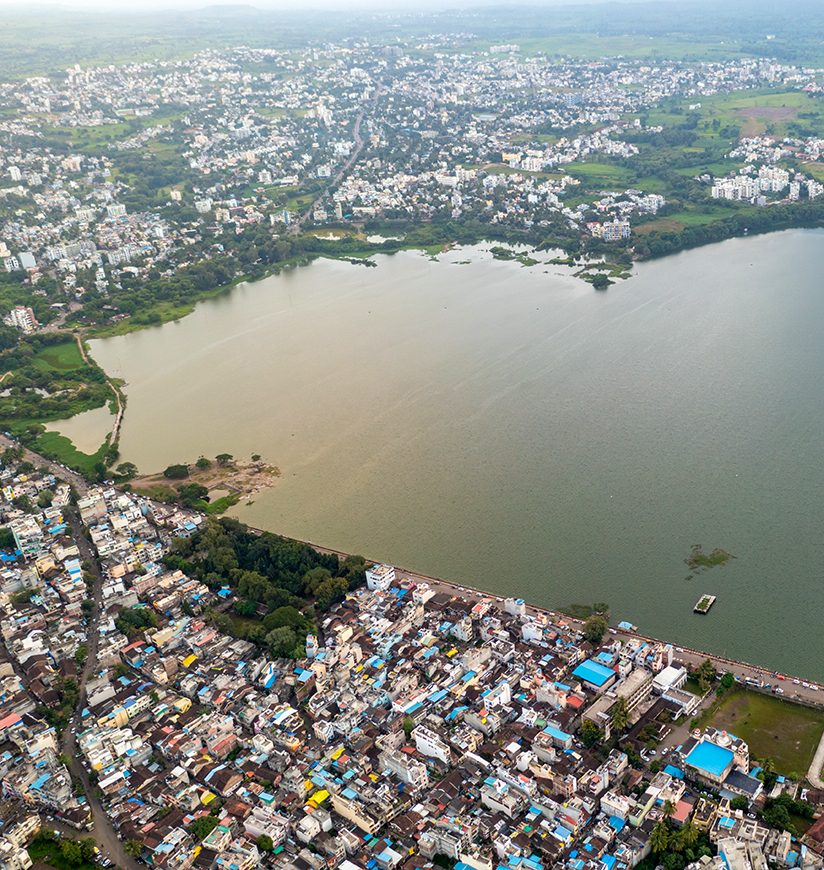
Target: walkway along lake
x,y
514,429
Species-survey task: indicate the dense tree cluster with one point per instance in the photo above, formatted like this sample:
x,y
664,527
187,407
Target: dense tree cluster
x,y
280,584
132,620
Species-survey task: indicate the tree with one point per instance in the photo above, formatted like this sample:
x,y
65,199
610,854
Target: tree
x,y
659,838
590,733
264,843
203,463
45,498
739,802
331,590
6,539
255,457
768,774
668,809
87,848
706,671
23,503
408,726
192,493
133,847
176,472
80,654
600,281
778,816
281,641
70,852
125,471
224,458
595,628
202,827
689,834
246,607
620,715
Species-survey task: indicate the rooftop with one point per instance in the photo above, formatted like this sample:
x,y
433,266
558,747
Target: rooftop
x,y
710,758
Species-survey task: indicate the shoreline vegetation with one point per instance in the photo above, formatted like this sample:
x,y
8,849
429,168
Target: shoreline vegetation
x,y
211,486
600,266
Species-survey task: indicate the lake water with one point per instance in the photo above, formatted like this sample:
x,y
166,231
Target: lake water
x,y
87,431
514,429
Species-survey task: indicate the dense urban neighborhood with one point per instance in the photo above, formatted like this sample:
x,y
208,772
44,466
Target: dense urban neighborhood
x,y
181,691
131,190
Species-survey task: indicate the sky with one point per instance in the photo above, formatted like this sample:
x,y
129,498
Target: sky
x,y
292,5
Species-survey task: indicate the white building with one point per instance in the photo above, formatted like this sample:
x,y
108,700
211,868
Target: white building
x,y
23,318
380,577
428,743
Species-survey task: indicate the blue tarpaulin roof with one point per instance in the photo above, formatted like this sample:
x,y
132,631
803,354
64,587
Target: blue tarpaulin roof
x,y
593,672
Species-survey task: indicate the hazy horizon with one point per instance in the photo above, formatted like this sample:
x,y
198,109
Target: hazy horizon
x,y
154,6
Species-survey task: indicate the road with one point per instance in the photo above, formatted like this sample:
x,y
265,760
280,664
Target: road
x,y
118,419
78,482
792,688
106,837
57,324
353,157
816,765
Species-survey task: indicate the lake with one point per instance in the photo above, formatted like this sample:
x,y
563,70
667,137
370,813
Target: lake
x,y
511,428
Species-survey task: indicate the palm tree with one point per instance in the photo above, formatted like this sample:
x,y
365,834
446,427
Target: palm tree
x,y
133,847
620,715
659,838
689,834
669,809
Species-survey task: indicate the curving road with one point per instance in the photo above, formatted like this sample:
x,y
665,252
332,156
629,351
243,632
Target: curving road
x,y
105,836
353,157
76,480
816,766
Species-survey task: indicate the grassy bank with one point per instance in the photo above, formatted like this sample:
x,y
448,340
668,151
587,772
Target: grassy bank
x,y
784,732
55,446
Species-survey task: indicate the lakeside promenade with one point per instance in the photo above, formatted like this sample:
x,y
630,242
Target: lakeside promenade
x,y
793,687
811,694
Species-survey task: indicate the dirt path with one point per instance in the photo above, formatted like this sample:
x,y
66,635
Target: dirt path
x,y
118,419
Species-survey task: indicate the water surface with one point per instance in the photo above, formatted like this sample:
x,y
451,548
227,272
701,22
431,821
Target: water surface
x,y
88,430
512,428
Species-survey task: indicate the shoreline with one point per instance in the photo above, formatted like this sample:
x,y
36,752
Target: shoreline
x,y
684,653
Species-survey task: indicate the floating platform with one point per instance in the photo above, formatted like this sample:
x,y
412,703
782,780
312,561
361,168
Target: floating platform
x,y
704,603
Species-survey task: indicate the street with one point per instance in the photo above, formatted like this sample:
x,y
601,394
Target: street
x,y
104,833
77,481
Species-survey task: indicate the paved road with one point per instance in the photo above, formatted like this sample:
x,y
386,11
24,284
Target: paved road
x,y
118,419
791,688
107,838
816,765
79,482
359,143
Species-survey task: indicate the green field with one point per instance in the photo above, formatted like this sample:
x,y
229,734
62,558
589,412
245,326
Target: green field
x,y
786,733
58,447
63,357
607,174
591,46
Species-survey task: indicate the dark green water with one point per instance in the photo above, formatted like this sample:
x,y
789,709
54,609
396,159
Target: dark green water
x,y
518,431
